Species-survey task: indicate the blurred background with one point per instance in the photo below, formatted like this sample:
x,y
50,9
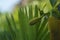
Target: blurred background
x,y
9,5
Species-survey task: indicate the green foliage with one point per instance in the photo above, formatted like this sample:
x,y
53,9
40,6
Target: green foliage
x,y
28,23
17,26
22,30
